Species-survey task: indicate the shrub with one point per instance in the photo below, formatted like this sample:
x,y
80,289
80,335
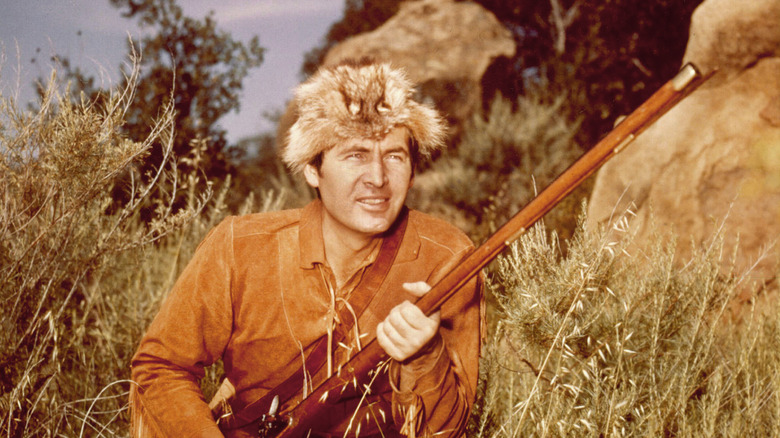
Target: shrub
x,y
605,342
496,168
81,279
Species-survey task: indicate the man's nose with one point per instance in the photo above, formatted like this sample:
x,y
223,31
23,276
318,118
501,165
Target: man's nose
x,y
376,174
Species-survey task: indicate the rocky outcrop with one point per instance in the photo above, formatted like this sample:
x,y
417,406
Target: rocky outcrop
x,y
713,162
731,35
444,46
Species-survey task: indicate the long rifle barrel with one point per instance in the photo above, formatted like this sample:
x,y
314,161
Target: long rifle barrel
x,y
306,414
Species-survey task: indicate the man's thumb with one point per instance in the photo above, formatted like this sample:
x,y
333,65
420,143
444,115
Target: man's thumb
x,y
418,288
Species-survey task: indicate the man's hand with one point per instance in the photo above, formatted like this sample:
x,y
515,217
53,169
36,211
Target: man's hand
x,y
406,330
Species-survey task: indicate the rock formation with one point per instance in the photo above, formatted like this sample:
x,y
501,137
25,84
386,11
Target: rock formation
x,y
445,47
714,160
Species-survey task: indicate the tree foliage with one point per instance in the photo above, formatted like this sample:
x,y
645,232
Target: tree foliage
x,y
608,56
193,65
503,158
197,65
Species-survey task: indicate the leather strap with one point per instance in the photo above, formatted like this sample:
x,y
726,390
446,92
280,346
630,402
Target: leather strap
x,y
360,299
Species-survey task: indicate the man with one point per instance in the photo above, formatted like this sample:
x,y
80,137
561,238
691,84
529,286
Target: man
x,y
268,292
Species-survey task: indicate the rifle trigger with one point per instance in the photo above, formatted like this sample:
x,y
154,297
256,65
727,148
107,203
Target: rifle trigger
x,y
271,424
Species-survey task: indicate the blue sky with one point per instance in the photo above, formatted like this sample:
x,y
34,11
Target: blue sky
x,y
93,35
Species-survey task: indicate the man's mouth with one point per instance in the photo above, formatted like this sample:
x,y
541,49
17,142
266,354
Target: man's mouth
x,y
373,201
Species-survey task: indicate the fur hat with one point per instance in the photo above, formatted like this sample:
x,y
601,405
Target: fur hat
x,y
357,99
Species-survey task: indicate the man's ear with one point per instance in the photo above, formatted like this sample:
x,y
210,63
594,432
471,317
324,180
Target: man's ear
x,y
312,175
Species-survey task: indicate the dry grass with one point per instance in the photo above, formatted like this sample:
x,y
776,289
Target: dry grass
x,y
603,342
81,275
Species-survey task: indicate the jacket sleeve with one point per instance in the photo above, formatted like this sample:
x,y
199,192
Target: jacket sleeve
x,y
189,333
433,391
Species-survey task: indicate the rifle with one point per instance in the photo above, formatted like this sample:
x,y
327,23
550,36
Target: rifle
x,y
298,420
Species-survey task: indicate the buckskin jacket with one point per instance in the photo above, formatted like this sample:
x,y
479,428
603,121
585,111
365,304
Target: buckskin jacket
x,y
258,293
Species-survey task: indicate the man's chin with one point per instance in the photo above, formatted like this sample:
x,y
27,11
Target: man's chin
x,y
376,229
375,226
376,222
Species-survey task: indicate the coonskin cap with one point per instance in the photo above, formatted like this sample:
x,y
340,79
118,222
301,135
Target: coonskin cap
x,y
357,99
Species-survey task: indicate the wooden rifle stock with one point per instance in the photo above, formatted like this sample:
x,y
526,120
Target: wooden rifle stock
x,y
303,416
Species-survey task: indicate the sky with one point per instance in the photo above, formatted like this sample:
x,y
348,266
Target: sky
x,y
93,35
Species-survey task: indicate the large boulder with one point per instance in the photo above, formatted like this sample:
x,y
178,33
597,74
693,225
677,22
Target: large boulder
x,y
713,162
731,35
444,46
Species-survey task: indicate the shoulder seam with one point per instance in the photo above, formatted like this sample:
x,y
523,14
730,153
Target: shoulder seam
x,y
252,229
437,243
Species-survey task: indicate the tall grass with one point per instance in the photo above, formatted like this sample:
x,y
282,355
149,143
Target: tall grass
x,y
608,342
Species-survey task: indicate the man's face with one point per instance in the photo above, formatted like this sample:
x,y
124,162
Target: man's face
x,y
363,183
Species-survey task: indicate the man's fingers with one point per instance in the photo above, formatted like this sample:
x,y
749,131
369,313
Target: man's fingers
x,y
394,332
384,335
412,313
415,317
405,330
409,320
435,317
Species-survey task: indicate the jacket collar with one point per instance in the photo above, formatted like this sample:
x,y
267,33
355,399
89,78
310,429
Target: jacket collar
x,y
310,235
312,245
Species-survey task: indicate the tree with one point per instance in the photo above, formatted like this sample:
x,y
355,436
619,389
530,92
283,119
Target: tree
x,y
192,62
198,66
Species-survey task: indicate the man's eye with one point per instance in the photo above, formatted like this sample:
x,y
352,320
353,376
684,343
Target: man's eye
x,y
395,157
356,156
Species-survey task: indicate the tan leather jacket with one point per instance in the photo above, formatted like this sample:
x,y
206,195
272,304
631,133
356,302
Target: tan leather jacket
x,y
256,295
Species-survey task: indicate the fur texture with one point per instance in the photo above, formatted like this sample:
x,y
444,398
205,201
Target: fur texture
x,y
357,100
